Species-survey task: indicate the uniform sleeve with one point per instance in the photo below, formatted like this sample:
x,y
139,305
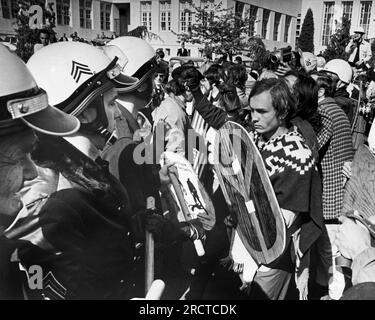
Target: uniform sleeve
x,y
64,230
138,178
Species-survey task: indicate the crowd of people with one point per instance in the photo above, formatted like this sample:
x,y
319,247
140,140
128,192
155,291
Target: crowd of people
x,y
73,193
46,37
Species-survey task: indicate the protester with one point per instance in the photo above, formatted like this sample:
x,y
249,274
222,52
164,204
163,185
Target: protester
x,y
238,60
341,74
272,127
237,77
44,38
307,118
210,85
173,111
207,63
158,92
162,64
335,148
64,37
74,36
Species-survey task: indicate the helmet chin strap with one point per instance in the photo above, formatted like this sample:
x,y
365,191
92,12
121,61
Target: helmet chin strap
x,y
148,104
109,137
99,125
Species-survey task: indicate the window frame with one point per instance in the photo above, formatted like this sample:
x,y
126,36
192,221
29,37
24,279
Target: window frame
x,y
165,15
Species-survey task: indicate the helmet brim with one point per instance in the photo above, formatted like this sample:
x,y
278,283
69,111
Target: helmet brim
x,y
124,80
52,121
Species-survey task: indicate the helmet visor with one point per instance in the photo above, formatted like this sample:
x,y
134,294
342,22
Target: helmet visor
x,y
144,73
116,74
53,121
39,115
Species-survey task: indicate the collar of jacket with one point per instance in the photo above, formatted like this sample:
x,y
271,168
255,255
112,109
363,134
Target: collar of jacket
x,y
178,101
328,100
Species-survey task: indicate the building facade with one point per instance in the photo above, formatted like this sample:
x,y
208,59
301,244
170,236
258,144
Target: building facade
x,y
328,16
274,21
89,18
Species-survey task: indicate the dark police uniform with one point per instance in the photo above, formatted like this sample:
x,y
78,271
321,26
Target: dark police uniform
x,y
91,239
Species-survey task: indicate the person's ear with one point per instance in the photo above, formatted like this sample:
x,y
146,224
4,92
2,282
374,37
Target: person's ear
x,y
321,92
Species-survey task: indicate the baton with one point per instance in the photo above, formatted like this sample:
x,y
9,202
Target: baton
x,y
149,251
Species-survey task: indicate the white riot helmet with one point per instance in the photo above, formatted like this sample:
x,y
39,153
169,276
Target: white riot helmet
x,y
359,29
341,68
142,60
76,75
22,102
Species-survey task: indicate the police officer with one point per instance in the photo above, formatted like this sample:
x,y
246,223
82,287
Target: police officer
x,y
91,218
24,109
342,75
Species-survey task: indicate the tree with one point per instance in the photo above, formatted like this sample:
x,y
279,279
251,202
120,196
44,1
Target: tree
x,y
27,36
306,38
218,30
338,42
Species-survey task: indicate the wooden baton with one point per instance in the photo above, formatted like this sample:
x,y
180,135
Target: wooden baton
x,y
149,251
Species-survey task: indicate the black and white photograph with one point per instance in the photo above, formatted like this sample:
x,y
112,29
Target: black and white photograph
x,y
187,156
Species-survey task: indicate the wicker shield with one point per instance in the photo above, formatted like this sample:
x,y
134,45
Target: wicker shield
x,y
247,188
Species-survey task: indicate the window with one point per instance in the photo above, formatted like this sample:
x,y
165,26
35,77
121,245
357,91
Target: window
x,y
63,12
185,15
266,17
328,22
288,20
146,14
239,9
364,21
298,25
253,17
5,8
105,15
165,15
276,26
347,9
9,8
85,13
209,10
